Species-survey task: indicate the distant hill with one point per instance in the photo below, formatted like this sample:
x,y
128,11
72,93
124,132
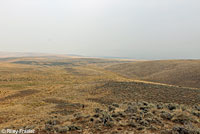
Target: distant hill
x,y
34,54
174,72
21,54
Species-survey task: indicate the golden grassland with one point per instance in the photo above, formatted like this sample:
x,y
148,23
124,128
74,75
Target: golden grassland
x,y
69,83
35,90
174,72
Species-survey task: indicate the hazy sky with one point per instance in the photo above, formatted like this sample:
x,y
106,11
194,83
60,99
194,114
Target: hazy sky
x,y
141,29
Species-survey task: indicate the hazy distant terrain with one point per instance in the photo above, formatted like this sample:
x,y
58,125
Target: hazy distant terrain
x,y
184,73
20,54
54,94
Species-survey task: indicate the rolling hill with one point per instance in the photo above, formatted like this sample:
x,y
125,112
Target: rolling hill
x,y
184,73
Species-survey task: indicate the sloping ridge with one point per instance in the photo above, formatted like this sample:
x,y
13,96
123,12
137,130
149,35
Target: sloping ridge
x,y
184,73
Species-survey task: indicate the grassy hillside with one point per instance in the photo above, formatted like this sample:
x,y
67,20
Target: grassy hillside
x,y
77,95
174,72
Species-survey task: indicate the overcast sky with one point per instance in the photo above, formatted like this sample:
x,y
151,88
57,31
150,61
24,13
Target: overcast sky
x,y
140,29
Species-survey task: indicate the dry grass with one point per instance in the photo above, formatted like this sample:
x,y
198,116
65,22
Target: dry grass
x,y
174,72
34,91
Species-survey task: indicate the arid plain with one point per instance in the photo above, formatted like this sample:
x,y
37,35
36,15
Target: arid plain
x,y
70,94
